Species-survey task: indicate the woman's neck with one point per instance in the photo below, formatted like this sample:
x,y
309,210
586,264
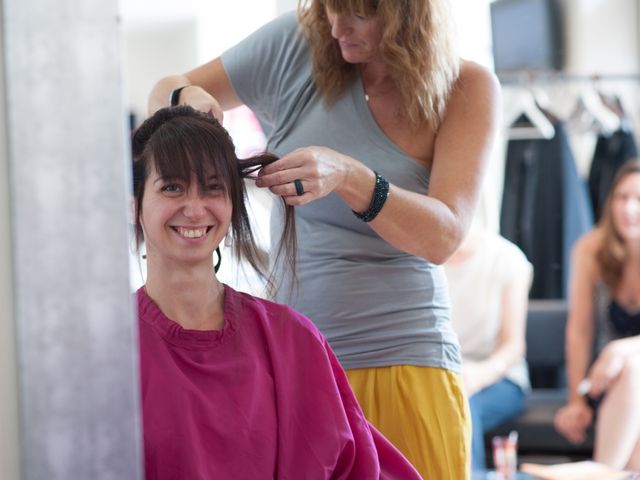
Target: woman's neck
x,y
191,296
375,79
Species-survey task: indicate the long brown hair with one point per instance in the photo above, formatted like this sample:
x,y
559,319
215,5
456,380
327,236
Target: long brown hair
x,y
417,45
612,254
179,142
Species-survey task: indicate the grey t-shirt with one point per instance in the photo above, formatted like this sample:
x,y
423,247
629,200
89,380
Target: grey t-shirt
x,y
377,306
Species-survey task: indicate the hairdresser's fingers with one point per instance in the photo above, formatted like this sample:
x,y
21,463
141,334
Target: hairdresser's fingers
x,y
306,191
201,100
295,188
297,200
296,195
281,180
324,168
295,159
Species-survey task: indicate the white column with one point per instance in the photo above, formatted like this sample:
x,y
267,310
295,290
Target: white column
x,y
67,161
9,437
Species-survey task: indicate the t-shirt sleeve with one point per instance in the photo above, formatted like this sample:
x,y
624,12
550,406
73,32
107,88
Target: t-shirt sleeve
x,y
264,68
513,264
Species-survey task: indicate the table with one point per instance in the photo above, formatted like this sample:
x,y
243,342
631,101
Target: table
x,y
491,475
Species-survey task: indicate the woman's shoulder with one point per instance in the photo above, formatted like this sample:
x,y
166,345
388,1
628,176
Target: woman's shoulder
x,y
475,96
509,251
504,257
589,243
288,21
276,316
476,76
585,252
283,30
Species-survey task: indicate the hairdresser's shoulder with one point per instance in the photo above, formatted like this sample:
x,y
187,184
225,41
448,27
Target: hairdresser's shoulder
x,y
477,79
284,23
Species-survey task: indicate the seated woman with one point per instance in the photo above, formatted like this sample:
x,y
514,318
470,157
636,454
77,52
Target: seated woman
x,y
489,280
233,386
604,297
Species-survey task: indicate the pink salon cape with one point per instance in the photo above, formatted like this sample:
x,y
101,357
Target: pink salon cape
x,y
265,398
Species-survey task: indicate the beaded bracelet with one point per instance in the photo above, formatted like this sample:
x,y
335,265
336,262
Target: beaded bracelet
x,y
380,193
174,96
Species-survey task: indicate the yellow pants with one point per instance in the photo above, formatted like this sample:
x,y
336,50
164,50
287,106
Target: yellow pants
x,y
423,411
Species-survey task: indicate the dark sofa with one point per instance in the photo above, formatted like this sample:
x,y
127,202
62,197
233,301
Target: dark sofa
x,y
545,334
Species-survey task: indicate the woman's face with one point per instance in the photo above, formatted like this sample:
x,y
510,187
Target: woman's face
x,y
182,223
358,36
625,207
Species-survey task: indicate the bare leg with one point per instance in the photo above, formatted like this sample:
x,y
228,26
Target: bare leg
x,y
634,461
618,423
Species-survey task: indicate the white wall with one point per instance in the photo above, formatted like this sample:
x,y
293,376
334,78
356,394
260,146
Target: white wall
x,y
602,36
285,5
153,50
163,38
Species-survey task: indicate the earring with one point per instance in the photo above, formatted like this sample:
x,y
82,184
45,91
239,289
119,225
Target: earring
x,y
217,265
228,240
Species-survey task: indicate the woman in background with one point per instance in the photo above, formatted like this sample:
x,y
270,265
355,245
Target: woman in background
x,y
489,280
604,303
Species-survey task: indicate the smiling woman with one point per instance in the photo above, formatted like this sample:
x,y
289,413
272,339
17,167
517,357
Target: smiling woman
x,y
217,366
196,179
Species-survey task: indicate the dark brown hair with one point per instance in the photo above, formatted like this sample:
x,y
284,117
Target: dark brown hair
x,y
612,254
179,142
417,45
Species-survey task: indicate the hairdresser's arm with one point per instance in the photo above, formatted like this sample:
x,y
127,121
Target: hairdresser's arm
x,y
576,415
433,226
430,226
207,89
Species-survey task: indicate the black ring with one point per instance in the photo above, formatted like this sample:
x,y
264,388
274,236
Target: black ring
x,y
299,186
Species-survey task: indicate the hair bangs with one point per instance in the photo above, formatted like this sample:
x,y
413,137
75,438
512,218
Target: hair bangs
x,y
367,7
181,151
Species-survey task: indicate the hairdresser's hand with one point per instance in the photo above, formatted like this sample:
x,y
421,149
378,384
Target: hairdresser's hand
x,y
573,419
607,367
198,98
321,171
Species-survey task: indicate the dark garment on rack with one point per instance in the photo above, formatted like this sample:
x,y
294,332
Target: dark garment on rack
x,y
545,208
610,153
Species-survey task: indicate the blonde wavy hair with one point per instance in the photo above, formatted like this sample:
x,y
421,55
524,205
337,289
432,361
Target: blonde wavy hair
x,y
417,45
612,254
